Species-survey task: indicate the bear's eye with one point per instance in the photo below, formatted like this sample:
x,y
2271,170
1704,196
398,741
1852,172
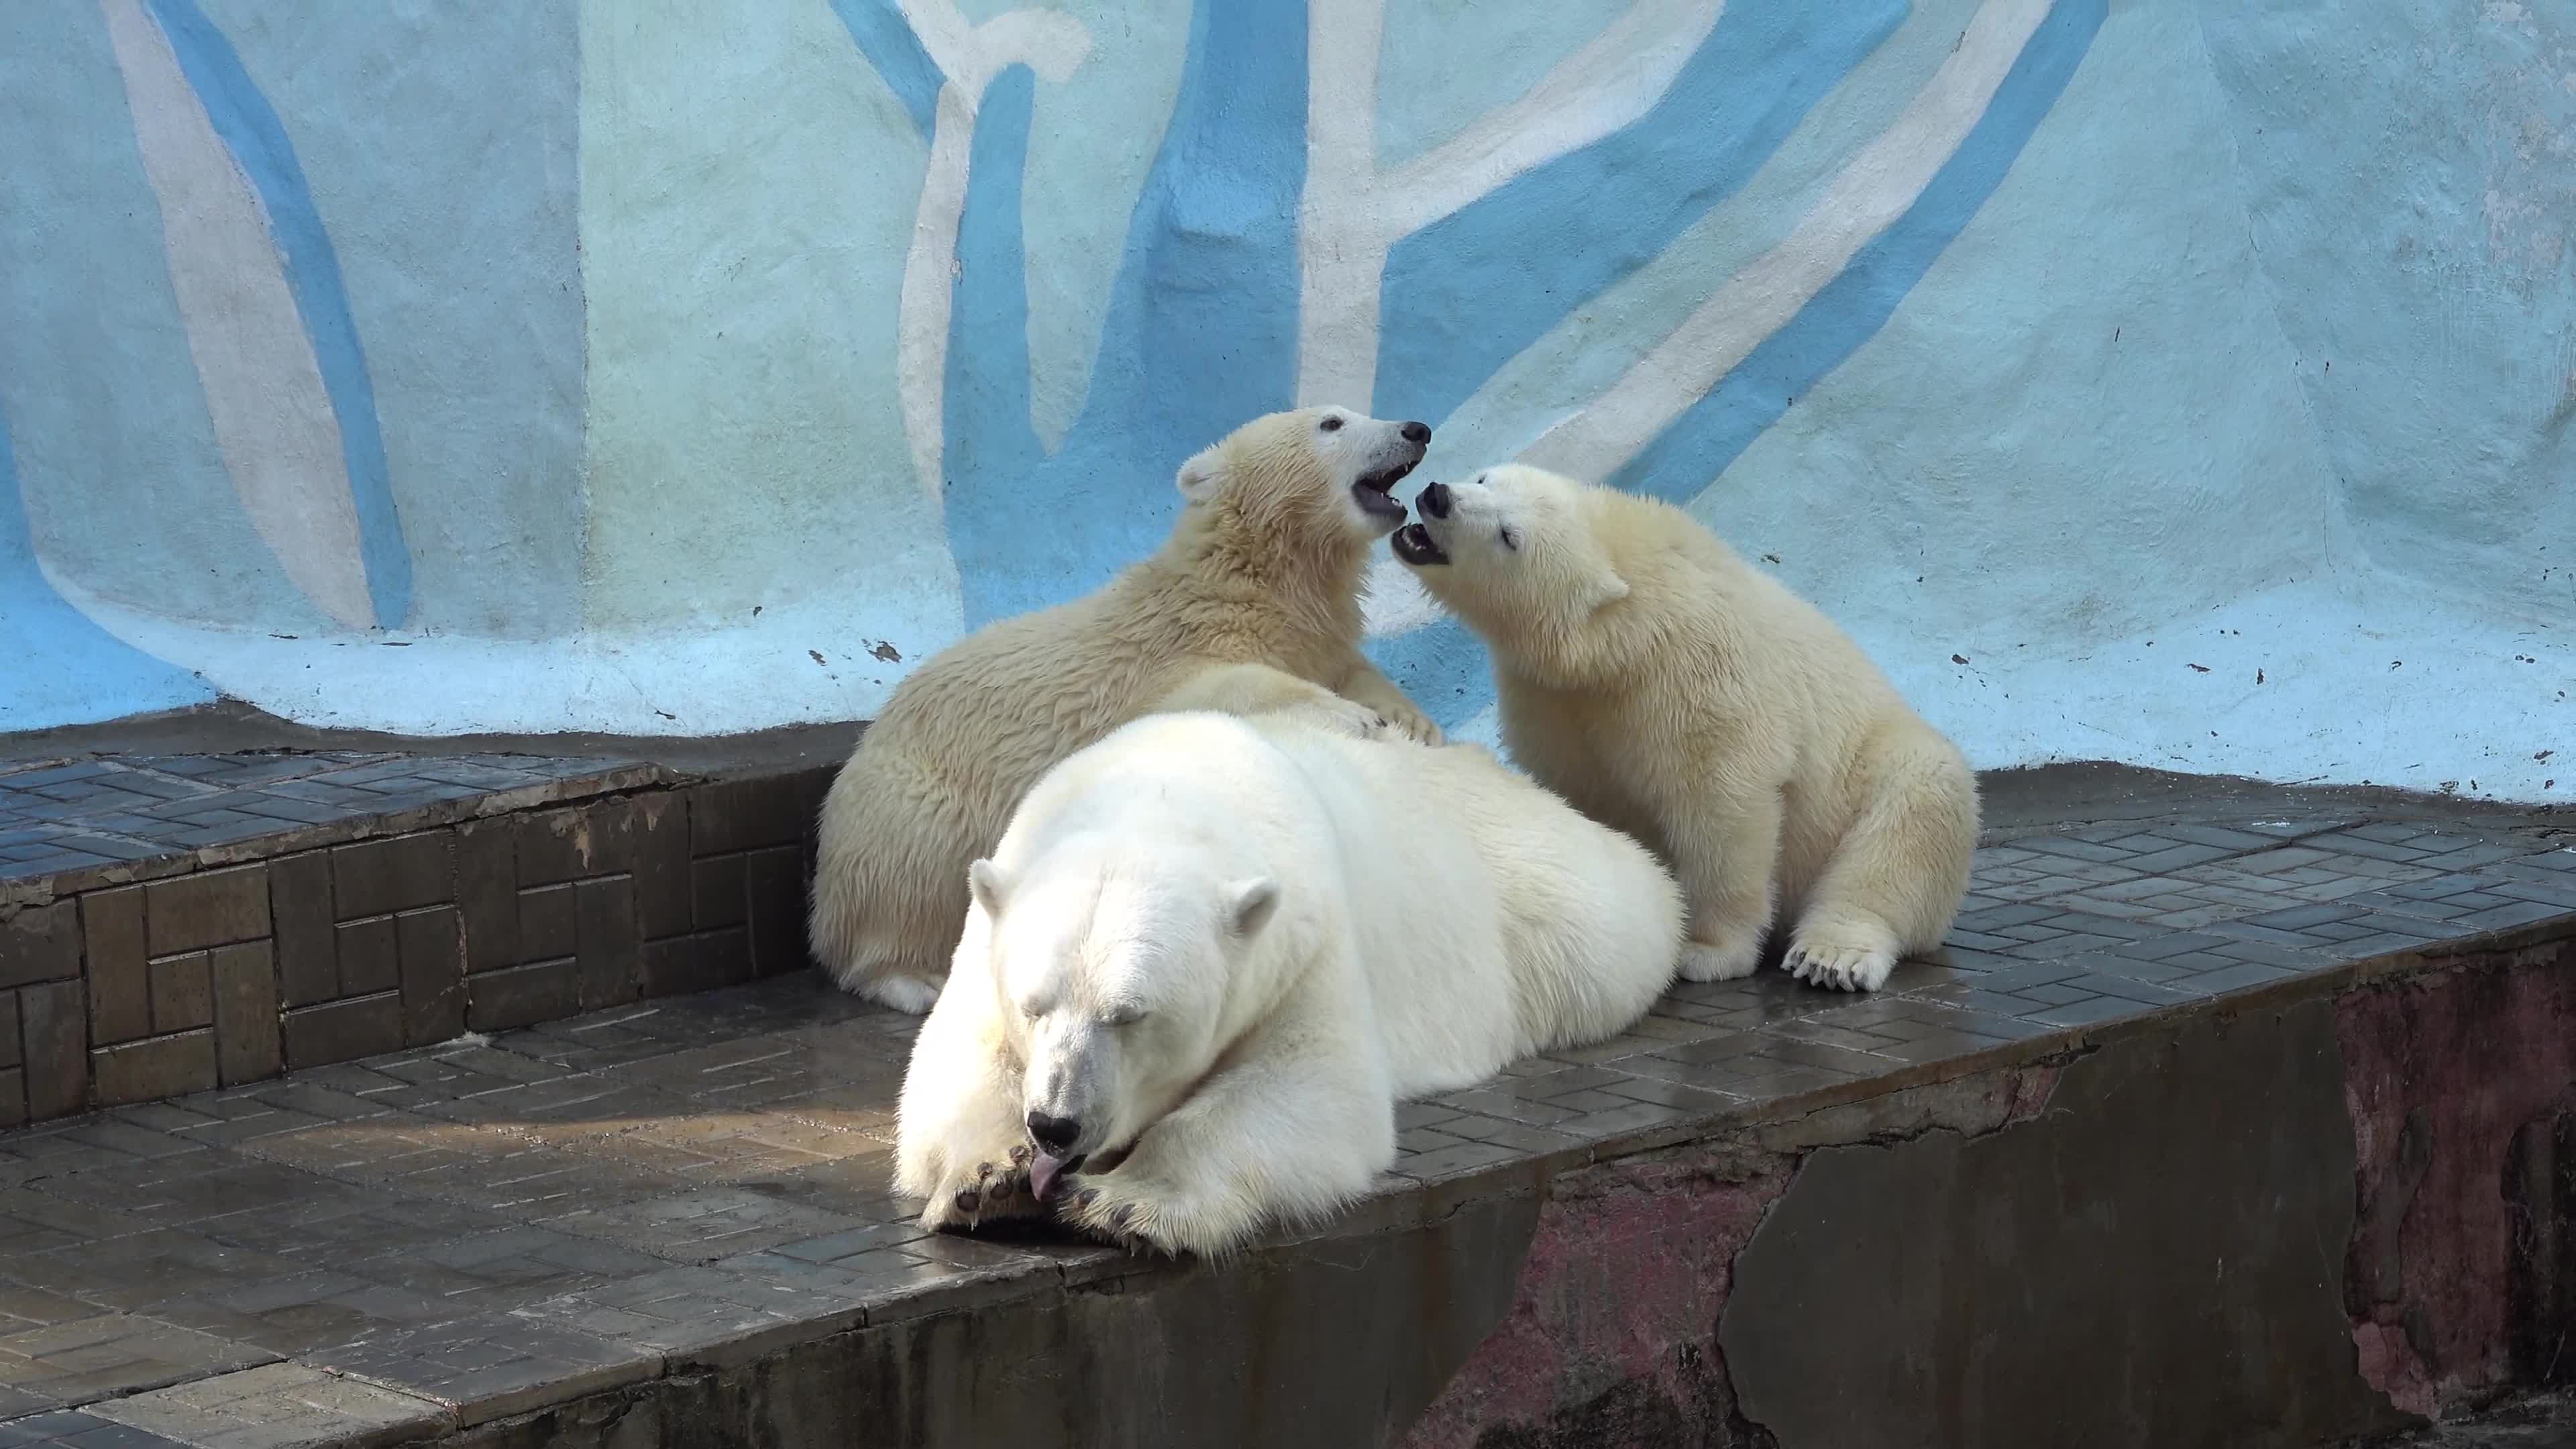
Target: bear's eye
x,y
1331,425
1511,538
1124,1016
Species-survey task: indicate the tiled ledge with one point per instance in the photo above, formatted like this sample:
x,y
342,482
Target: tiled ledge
x,y
172,924
578,1211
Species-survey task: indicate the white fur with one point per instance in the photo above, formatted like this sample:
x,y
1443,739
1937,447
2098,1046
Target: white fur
x,y
1263,569
1666,687
1226,947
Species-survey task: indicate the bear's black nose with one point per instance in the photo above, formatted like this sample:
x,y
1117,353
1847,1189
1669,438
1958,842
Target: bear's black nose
x,y
1056,1134
1416,432
1434,500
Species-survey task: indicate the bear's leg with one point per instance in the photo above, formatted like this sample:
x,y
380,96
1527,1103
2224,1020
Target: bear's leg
x,y
1726,854
889,881
1362,682
1896,879
960,1141
1279,1137
1248,690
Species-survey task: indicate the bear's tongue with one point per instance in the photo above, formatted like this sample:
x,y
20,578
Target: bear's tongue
x,y
1042,1173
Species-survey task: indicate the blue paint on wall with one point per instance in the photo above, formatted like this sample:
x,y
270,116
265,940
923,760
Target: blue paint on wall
x,y
1200,334
989,435
1444,667
250,128
1469,292
1682,460
62,668
888,41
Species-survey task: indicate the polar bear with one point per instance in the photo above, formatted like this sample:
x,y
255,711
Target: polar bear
x,y
1277,525
1212,952
1666,687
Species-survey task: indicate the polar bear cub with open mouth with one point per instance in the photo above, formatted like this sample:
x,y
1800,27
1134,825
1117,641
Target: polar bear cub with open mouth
x,y
1212,952
1664,686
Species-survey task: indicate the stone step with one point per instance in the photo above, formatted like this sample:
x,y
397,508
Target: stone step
x,y
2235,1120
174,923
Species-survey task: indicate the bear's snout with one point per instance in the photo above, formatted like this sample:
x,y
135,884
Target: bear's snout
x,y
1416,433
1055,1134
1434,500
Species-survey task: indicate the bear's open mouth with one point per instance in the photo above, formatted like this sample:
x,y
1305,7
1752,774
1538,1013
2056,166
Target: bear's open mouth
x,y
1375,492
1413,544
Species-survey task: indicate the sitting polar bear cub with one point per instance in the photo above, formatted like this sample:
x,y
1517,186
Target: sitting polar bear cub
x,y
1264,567
1666,687
1212,952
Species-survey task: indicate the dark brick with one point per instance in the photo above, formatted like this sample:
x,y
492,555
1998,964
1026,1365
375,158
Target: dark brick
x,y
522,995
774,885
338,1031
718,893
379,877
183,993
210,908
120,996
607,941
576,843
433,976
662,865
40,943
247,1044
55,1022
13,1097
487,896
735,815
549,923
154,1068
12,1046
368,963
308,955
701,962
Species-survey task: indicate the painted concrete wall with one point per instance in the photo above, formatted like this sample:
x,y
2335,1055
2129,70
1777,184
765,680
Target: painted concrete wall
x,y
2182,384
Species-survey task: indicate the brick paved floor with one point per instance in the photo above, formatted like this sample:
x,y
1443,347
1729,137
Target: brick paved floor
x,y
452,1233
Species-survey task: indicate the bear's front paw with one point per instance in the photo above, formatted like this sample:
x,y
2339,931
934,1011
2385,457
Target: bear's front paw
x,y
1724,954
1136,1217
1348,717
1848,957
1414,725
975,1193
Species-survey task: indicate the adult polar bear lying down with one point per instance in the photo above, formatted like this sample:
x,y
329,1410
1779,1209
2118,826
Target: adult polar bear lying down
x,y
1212,952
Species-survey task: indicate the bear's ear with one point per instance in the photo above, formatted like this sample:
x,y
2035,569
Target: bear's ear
x,y
984,881
1202,476
1603,588
1249,905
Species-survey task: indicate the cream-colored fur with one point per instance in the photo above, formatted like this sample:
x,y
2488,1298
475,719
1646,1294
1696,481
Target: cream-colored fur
x,y
1264,567
1210,954
1666,687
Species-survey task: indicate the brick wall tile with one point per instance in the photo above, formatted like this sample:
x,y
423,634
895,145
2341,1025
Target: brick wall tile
x,y
120,991
308,952
209,908
248,1047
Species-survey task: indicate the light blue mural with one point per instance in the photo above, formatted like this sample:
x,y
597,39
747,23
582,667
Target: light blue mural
x,y
2106,368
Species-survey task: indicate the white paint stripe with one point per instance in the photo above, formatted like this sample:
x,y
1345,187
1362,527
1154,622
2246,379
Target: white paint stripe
x,y
1879,185
1602,88
1351,215
929,282
272,418
1049,42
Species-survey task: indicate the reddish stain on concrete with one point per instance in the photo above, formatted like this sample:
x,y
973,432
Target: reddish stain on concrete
x,y
1622,1286
1612,1332
2441,1072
